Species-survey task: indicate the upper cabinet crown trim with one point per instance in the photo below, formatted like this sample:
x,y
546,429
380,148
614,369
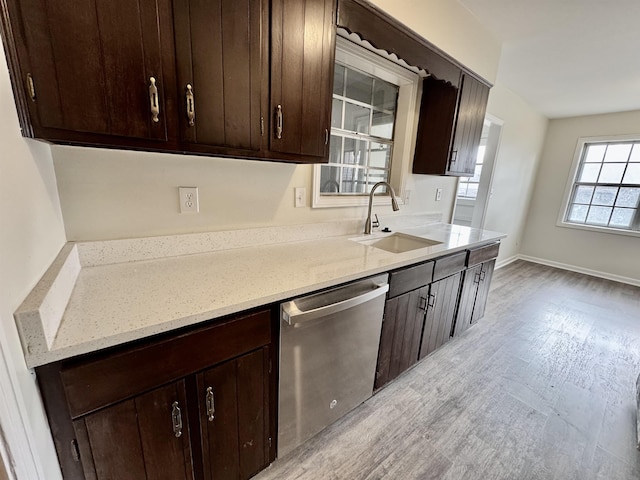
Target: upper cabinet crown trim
x,y
385,32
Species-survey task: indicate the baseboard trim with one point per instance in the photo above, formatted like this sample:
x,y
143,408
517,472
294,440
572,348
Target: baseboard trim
x,y
572,268
506,261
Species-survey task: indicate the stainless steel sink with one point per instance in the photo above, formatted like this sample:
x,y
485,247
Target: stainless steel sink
x,y
398,242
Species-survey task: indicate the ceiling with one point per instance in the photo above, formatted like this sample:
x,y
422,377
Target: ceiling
x,y
567,57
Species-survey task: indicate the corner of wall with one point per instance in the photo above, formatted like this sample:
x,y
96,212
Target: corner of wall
x,y
31,236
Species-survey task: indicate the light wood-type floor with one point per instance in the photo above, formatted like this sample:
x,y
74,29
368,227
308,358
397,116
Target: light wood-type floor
x,y
542,388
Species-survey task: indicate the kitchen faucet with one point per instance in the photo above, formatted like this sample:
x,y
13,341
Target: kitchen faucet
x,y
394,205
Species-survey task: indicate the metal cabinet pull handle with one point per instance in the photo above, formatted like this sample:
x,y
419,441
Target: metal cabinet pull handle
x,y
477,278
32,87
211,406
279,122
483,274
432,300
423,304
176,419
191,107
454,156
326,136
153,99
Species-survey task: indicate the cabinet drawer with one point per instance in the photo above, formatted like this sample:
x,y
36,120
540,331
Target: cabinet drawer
x,y
449,265
481,254
94,383
405,280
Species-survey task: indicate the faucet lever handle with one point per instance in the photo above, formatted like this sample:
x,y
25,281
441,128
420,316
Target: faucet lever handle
x,y
376,222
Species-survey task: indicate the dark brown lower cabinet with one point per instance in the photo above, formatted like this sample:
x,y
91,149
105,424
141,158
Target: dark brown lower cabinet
x,y
428,303
233,417
441,313
400,337
484,282
136,439
473,295
197,405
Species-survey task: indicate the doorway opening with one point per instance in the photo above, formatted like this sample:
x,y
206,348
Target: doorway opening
x,y
474,192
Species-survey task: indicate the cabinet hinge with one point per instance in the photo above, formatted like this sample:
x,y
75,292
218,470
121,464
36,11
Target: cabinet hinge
x,y
75,451
32,87
261,126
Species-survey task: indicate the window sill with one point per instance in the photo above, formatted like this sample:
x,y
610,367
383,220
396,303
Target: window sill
x,y
330,201
592,228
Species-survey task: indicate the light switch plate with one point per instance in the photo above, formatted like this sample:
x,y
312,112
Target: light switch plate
x,y
300,197
189,199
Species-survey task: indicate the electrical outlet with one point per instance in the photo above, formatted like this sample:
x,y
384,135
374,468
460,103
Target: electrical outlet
x,y
407,197
438,194
300,197
188,197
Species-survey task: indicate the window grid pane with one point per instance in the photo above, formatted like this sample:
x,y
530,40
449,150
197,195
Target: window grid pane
x,y
362,128
606,192
468,186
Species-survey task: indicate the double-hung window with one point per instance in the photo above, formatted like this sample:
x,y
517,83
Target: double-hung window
x,y
372,123
362,121
605,191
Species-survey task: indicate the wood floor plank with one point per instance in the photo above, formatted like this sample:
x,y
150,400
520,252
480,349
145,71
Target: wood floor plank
x,y
541,389
609,467
415,458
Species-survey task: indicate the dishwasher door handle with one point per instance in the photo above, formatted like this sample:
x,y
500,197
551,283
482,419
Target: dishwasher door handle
x,y
293,315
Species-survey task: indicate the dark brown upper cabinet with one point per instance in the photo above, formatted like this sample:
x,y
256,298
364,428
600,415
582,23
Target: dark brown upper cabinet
x,y
239,78
302,64
450,126
222,69
87,71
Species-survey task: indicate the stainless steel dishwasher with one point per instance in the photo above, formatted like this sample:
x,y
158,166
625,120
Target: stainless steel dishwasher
x,y
328,353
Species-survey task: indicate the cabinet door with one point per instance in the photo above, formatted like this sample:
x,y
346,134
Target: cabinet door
x,y
468,293
221,70
234,417
441,311
146,437
435,126
450,126
302,56
94,66
471,111
484,282
400,337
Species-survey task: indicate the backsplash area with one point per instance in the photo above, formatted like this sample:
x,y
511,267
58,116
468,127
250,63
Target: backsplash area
x,y
112,194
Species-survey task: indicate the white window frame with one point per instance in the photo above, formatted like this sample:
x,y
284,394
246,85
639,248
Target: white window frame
x,y
480,160
369,62
577,159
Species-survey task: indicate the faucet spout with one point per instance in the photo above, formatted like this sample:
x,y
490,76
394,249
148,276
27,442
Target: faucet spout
x,y
394,205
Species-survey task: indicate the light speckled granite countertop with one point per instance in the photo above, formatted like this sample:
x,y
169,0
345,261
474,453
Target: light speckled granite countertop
x,y
100,294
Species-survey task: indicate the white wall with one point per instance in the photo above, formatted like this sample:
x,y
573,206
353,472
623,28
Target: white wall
x,y
31,234
609,254
109,194
519,154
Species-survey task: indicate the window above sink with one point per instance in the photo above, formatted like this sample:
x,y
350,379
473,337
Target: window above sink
x,y
373,124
